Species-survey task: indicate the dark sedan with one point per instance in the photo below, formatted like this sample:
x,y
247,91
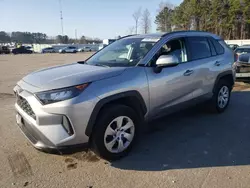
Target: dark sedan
x,y
22,50
4,50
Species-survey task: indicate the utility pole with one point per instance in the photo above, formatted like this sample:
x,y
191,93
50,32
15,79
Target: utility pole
x,y
76,34
61,15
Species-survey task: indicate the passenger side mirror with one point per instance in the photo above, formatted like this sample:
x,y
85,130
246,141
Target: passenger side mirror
x,y
166,61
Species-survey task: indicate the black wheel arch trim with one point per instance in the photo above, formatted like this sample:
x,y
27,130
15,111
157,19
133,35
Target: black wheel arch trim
x,y
109,99
226,73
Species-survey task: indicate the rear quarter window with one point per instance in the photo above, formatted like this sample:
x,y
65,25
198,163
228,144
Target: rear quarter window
x,y
218,47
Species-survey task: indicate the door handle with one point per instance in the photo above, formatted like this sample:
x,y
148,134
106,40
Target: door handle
x,y
217,63
188,72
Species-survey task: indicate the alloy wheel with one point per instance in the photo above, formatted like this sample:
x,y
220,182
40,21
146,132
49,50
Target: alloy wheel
x,y
119,134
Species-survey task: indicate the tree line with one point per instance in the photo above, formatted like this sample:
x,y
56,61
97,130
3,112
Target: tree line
x,y
228,18
42,38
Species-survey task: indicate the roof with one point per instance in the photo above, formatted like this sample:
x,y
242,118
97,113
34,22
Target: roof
x,y
188,32
242,47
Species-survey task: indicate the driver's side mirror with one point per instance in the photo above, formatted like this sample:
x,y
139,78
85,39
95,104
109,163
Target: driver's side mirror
x,y
166,61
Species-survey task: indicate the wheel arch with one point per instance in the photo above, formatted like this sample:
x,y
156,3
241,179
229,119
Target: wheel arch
x,y
132,99
227,75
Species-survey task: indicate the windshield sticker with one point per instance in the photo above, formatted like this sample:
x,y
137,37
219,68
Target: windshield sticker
x,y
150,39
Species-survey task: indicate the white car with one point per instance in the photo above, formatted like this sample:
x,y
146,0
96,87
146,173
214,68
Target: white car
x,y
85,49
102,46
68,49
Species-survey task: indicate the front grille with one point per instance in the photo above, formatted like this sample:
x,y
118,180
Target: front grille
x,y
24,105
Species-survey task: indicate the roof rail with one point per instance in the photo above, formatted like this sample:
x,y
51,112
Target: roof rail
x,y
182,31
126,36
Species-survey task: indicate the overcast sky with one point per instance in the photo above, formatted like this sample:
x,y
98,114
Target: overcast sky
x,y
92,18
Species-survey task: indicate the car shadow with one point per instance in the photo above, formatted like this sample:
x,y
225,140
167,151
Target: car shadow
x,y
193,139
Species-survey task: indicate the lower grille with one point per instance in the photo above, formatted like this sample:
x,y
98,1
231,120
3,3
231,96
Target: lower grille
x,y
24,105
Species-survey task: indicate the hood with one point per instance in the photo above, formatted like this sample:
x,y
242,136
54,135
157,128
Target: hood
x,y
69,75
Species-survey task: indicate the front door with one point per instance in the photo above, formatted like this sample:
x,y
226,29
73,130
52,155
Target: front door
x,y
173,86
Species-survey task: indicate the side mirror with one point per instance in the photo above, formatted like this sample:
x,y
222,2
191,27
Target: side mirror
x,y
165,61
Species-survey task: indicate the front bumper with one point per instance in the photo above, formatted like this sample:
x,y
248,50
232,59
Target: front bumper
x,y
45,130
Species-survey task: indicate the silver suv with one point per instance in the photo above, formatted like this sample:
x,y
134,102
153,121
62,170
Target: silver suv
x,y
105,99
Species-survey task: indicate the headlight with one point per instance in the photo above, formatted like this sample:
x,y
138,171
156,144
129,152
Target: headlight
x,y
58,95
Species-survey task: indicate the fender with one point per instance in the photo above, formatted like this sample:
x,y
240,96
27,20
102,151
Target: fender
x,y
226,73
109,99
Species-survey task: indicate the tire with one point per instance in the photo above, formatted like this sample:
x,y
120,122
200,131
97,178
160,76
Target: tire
x,y
216,103
106,125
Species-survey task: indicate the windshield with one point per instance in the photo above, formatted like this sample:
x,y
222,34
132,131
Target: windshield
x,y
122,53
242,50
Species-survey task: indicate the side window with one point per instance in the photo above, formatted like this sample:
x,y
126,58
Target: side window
x,y
212,47
198,48
219,49
174,47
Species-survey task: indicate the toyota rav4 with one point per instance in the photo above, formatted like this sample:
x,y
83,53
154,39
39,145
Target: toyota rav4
x,y
103,100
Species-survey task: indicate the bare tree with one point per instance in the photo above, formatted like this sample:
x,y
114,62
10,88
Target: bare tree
x,y
137,16
164,4
146,22
131,30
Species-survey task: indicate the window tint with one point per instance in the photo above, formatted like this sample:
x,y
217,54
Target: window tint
x,y
174,47
219,49
242,50
199,48
212,47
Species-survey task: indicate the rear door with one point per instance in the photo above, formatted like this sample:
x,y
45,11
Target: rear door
x,y
203,56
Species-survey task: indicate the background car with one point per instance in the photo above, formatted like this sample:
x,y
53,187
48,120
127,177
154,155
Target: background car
x,y
102,46
243,66
48,50
242,50
22,50
85,49
4,50
68,49
233,46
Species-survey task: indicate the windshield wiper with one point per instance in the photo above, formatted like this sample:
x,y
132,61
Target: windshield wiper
x,y
102,65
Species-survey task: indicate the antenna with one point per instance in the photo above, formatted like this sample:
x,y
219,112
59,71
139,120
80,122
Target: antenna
x,y
61,15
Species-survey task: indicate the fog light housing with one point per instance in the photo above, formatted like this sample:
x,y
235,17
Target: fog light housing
x,y
67,125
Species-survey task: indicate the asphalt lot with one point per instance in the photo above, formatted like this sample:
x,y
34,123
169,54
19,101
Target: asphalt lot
x,y
188,149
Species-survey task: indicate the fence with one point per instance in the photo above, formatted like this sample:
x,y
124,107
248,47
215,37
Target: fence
x,y
239,42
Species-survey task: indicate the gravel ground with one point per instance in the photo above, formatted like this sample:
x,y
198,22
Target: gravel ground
x,y
188,149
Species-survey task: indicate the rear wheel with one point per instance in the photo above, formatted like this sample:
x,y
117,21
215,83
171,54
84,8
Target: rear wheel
x,y
115,132
221,97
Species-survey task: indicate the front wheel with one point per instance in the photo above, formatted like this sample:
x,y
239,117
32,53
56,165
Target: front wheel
x,y
115,132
